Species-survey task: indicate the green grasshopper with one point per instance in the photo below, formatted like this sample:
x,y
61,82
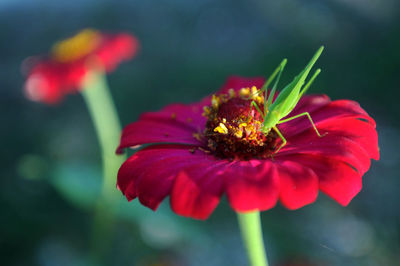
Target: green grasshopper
x,y
286,100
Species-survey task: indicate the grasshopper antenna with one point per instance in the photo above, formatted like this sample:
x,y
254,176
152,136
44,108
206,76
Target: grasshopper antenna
x,y
273,75
272,93
316,73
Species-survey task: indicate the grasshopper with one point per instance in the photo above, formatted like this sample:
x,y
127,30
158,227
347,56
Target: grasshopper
x,y
286,101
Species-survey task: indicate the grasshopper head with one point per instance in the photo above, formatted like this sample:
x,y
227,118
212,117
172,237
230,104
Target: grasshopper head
x,y
265,130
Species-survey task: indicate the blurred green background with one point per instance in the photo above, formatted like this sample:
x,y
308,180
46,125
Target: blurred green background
x,y
50,160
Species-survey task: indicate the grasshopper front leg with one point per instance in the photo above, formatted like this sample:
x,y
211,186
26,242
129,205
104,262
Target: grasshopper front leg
x,y
254,104
284,141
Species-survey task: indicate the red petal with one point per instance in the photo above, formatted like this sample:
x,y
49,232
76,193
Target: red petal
x,y
237,83
187,114
127,178
140,166
45,82
332,145
341,118
155,182
197,189
251,185
173,124
336,179
150,173
298,184
332,111
310,103
115,48
357,130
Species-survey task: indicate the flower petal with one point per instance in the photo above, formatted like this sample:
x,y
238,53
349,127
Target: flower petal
x,y
332,145
341,118
310,103
198,188
336,179
298,184
155,172
176,123
332,111
188,114
236,83
149,173
251,185
127,178
115,48
359,131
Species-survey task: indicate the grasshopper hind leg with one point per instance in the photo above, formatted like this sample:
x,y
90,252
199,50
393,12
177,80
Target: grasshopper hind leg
x,y
309,118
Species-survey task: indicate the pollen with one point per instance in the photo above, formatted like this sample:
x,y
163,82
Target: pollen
x,y
221,128
254,90
256,95
215,101
206,111
197,136
232,93
233,128
238,133
76,47
244,92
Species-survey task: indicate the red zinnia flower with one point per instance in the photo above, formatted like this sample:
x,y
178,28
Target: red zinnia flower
x,y
204,150
63,70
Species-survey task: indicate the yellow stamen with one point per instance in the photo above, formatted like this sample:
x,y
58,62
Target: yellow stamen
x,y
256,95
221,128
197,136
231,93
203,150
254,90
238,134
206,111
215,101
77,46
244,93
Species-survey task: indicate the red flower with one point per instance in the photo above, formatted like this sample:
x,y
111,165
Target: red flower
x,y
197,157
62,71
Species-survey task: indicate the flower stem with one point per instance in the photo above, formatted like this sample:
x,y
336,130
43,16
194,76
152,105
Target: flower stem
x,y
108,129
250,227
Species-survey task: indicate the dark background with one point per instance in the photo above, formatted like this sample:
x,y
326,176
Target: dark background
x,y
50,162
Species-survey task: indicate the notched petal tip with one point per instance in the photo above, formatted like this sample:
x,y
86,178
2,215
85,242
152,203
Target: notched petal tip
x,y
197,190
298,185
252,185
120,150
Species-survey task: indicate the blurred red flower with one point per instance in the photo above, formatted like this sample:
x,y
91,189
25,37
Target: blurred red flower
x,y
61,72
197,156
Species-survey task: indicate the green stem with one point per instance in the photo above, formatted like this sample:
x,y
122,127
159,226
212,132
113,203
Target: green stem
x,y
250,227
108,129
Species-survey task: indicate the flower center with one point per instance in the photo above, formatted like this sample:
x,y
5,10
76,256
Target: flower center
x,y
76,47
233,128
